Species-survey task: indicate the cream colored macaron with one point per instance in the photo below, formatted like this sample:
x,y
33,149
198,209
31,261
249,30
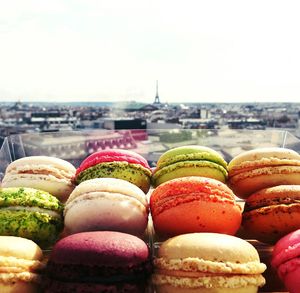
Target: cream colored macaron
x,y
260,168
207,262
20,265
106,204
50,174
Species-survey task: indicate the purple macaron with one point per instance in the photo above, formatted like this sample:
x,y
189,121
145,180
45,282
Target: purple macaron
x,y
100,261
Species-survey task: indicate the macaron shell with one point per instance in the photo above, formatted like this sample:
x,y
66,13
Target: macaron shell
x,y
213,247
106,211
100,248
168,288
292,280
18,247
286,248
46,161
55,286
189,168
60,188
111,185
259,155
198,216
19,286
247,183
269,224
42,228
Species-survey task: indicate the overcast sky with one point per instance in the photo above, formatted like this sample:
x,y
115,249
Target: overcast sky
x,y
199,51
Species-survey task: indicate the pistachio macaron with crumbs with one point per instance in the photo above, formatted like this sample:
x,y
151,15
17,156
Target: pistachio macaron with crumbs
x,y
116,163
30,213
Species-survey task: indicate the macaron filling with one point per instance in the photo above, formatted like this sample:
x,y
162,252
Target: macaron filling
x,y
193,264
218,281
32,209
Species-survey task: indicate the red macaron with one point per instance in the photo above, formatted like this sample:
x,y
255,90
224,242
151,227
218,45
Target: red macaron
x,y
121,164
99,261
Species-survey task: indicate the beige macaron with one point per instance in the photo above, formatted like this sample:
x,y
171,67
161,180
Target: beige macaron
x,y
50,174
106,204
207,262
20,265
260,168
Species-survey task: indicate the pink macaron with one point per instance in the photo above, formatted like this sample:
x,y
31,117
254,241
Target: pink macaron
x,y
122,164
286,260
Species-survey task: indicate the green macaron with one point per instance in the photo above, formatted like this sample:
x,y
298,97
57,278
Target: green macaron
x,y
190,160
30,213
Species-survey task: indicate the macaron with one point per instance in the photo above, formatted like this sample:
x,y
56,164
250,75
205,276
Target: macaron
x,y
30,213
192,160
194,204
121,164
207,263
51,174
271,213
260,168
99,261
106,204
21,263
286,260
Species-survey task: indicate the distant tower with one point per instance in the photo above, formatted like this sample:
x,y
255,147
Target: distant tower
x,y
156,100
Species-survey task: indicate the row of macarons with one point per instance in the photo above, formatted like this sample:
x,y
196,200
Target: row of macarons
x,y
244,173
108,261
189,191
213,196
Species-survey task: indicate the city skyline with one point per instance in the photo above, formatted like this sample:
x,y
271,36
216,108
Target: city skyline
x,y
199,51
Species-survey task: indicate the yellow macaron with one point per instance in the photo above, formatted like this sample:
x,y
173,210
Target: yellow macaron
x,y
20,265
207,262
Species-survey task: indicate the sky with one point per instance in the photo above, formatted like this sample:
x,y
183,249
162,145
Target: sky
x,y
199,51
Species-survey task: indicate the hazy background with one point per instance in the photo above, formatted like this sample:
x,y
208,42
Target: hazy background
x,y
200,51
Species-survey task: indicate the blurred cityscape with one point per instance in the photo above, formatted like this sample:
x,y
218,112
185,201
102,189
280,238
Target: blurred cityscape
x,y
22,117
74,130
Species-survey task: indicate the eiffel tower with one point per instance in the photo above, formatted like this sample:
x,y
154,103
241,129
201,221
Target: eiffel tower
x,y
156,99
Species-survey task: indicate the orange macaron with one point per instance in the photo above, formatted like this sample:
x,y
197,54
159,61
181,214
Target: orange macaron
x,y
272,213
194,204
260,168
